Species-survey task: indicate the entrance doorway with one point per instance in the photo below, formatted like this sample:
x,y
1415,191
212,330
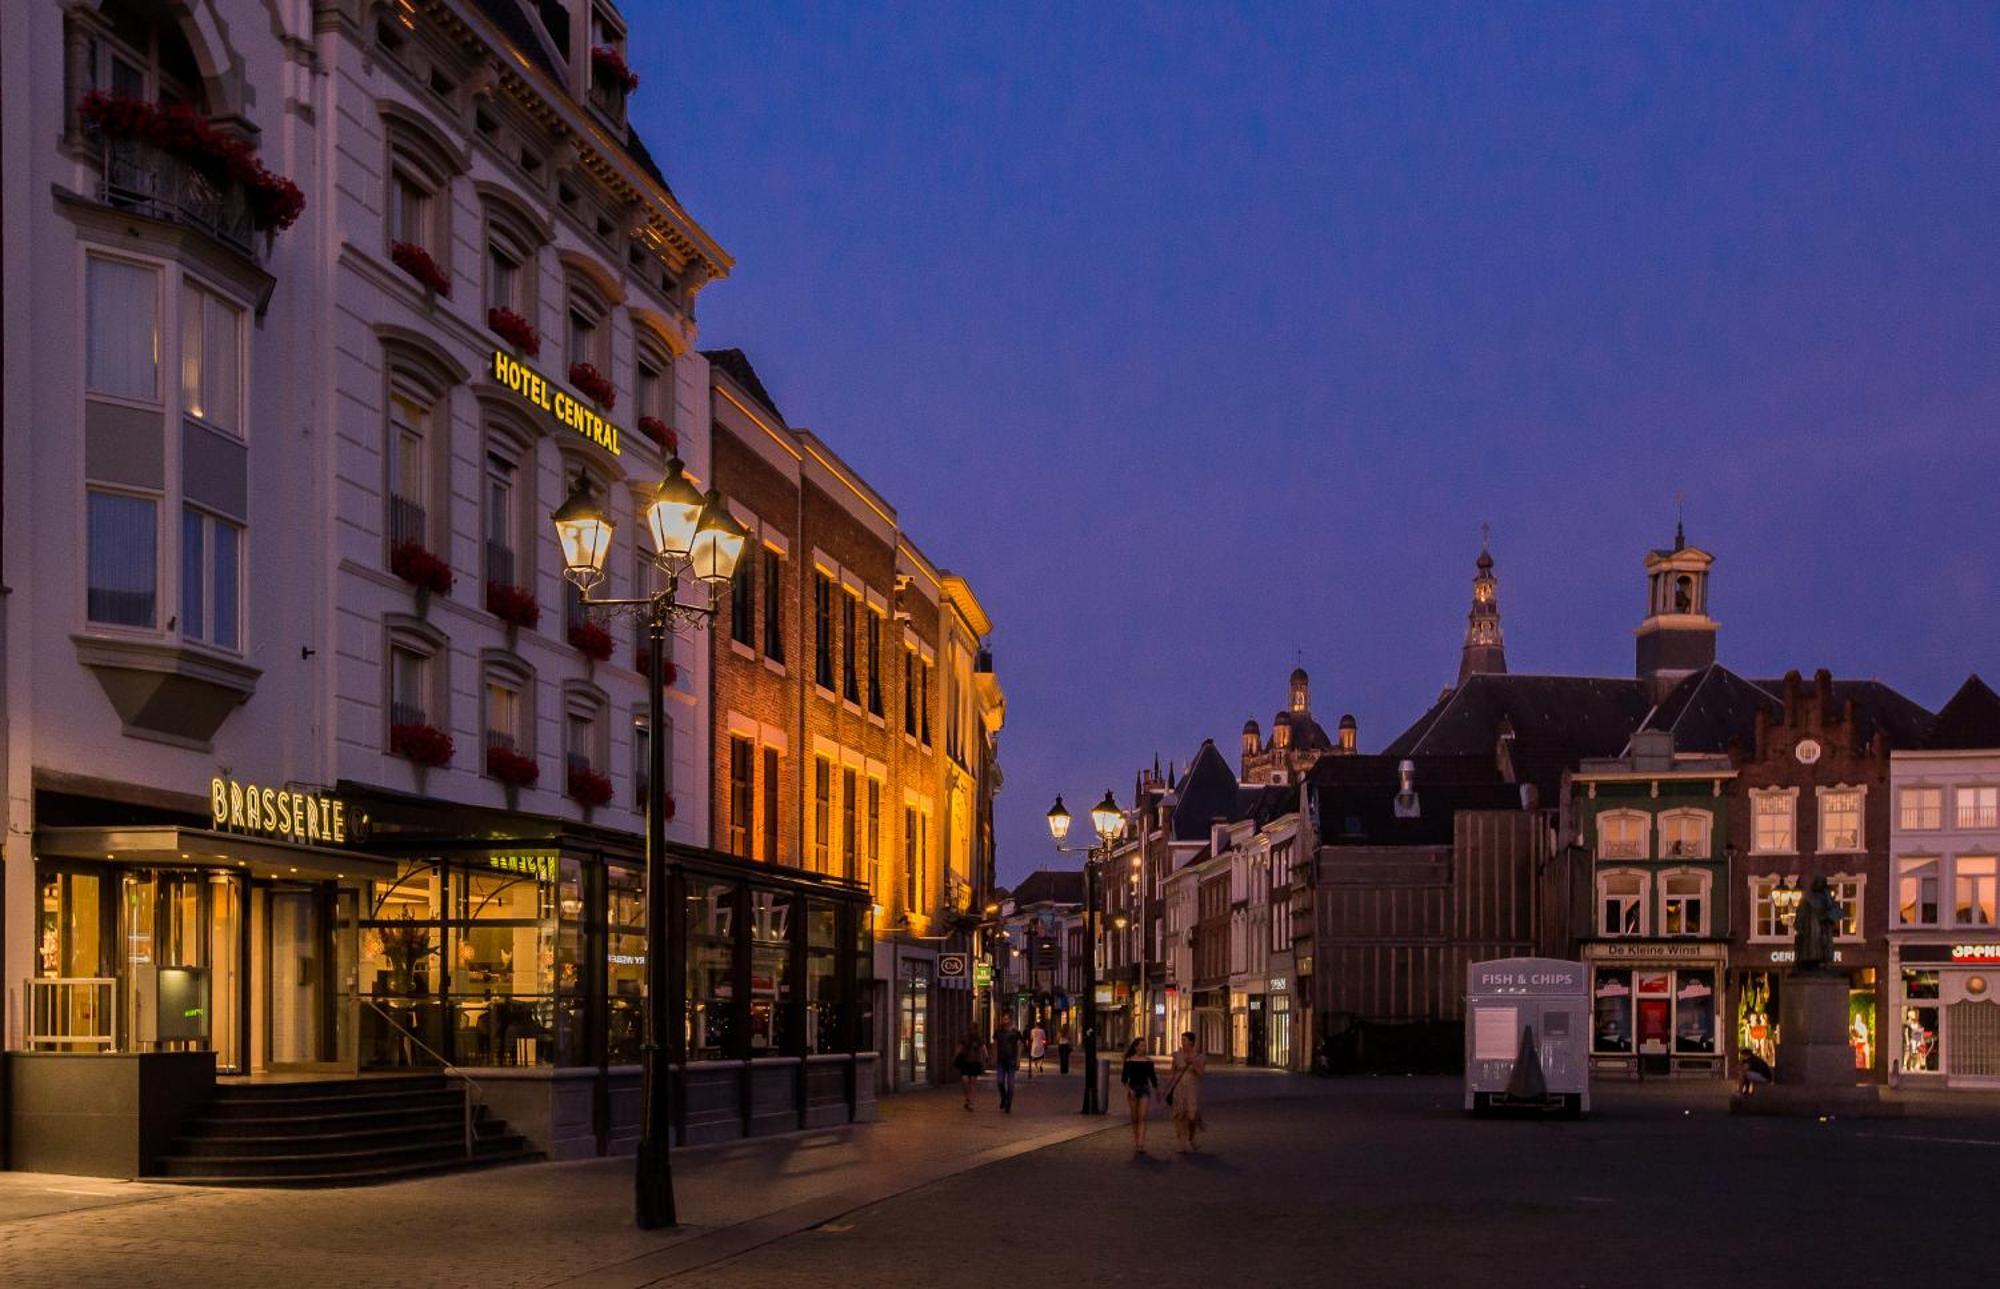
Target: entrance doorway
x,y
311,970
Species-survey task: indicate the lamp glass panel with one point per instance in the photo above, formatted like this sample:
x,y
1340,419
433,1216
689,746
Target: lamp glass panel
x,y
586,540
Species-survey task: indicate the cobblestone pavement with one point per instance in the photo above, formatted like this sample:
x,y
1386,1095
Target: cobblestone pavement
x,y
1360,1182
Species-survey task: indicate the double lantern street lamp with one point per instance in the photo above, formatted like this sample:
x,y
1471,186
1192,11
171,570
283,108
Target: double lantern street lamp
x,y
1108,821
694,535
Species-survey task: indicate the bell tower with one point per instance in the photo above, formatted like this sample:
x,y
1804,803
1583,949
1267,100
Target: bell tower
x,y
1484,651
1677,636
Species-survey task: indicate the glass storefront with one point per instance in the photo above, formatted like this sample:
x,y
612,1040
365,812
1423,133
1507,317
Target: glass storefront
x,y
1663,1016
1921,1047
913,1029
1281,1031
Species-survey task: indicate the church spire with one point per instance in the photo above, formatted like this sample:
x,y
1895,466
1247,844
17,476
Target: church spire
x,y
1484,652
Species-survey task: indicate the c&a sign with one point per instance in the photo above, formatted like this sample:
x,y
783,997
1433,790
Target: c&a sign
x,y
277,812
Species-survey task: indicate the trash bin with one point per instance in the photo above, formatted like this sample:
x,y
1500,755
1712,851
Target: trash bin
x,y
1526,1024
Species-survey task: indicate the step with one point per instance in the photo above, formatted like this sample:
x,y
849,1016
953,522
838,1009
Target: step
x,y
319,1143
283,1089
278,1107
334,1164
357,1120
304,1177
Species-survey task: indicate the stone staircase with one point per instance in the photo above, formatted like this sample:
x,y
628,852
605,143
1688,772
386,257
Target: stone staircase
x,y
337,1132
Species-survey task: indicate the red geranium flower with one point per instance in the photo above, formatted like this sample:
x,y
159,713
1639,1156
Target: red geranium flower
x,y
512,768
514,605
514,329
424,744
421,569
588,786
417,262
594,383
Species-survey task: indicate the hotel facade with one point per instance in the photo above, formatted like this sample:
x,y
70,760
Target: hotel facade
x,y
314,763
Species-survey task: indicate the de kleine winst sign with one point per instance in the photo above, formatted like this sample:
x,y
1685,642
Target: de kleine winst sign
x,y
563,408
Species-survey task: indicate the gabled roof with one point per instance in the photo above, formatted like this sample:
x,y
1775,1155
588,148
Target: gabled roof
x,y
1970,719
1556,721
1206,793
1713,707
737,364
1050,886
1356,797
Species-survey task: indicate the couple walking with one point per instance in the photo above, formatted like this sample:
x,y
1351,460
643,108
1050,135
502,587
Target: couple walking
x,y
1006,1050
1183,1093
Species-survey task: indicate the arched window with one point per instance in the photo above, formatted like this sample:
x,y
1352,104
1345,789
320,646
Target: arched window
x,y
418,690
513,240
588,327
1622,834
417,182
507,502
507,707
1684,902
1621,902
1686,834
135,49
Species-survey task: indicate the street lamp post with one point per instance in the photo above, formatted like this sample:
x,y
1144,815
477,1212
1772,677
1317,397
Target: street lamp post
x,y
693,535
1108,821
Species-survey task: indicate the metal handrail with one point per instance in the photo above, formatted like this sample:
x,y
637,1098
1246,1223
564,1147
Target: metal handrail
x,y
44,998
447,1066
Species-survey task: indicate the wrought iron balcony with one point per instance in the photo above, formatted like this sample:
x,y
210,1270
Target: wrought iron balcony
x,y
136,176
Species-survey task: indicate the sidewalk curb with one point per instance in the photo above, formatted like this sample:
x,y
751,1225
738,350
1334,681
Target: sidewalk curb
x,y
719,1243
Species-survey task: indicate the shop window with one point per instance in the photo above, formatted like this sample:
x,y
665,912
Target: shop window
x,y
211,358
771,805
1622,834
510,952
1757,1015
823,630
850,825
1977,807
1621,898
624,965
774,622
1972,890
1921,809
742,794
1694,1013
874,663
1917,892
773,990
822,854
850,676
743,604
1840,819
1921,1049
1861,1022
122,329
123,559
1773,826
826,1000
1684,903
712,1029
1685,834
1611,1007
1847,892
211,579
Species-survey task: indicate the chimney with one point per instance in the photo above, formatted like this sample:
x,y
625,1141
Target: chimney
x,y
1406,795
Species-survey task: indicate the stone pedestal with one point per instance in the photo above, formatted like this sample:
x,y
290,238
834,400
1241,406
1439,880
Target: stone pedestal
x,y
1816,1074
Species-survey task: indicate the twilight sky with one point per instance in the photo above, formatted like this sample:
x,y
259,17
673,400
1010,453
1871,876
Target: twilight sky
x,y
1203,337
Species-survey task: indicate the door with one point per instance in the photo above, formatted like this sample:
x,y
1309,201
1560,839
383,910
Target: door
x,y
1257,1054
307,992
1653,1028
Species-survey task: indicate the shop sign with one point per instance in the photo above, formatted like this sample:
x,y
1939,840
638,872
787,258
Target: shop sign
x,y
1652,949
1791,955
540,865
1278,984
1975,953
951,966
1965,953
517,377
1104,995
277,812
982,975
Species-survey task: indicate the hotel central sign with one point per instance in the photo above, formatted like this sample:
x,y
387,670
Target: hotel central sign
x,y
564,409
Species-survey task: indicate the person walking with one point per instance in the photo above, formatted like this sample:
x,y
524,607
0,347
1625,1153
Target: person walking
x,y
1006,1061
1038,1047
1142,1083
1184,1093
971,1063
1062,1048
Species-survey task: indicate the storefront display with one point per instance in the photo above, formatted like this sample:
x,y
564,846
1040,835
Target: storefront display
x,y
1655,1020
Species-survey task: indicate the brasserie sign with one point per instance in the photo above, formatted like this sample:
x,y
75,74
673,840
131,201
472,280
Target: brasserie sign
x,y
563,408
277,812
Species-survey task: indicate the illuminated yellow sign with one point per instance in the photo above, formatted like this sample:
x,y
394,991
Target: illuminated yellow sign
x,y
277,812
541,867
565,410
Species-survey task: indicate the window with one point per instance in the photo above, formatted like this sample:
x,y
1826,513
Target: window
x,y
1621,834
413,210
1772,829
211,579
874,663
1683,903
409,686
141,57
510,263
409,471
583,733
850,825
822,630
211,358
1846,892
1840,819
1685,834
1917,892
122,330
123,560
506,710
1978,807
822,814
642,760
910,858
924,702
742,795
743,604
910,692
1922,809
652,391
1766,923
503,521
1972,890
1922,1053
588,335
771,805
871,845
774,623
850,680
1622,904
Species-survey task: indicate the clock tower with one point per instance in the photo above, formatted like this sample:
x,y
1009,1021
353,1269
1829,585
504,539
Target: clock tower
x,y
1484,652
1677,636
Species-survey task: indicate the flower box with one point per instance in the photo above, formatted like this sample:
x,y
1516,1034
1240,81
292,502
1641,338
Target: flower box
x,y
594,383
661,433
514,329
511,767
274,202
588,787
591,640
421,569
417,262
643,664
425,745
610,64
514,605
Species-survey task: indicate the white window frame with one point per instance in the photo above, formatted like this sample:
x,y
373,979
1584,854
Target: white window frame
x,y
519,682
1984,811
1916,816
161,286
1991,878
1763,887
1760,799
1704,892
1856,887
1642,900
1645,840
1828,794
1937,876
210,521
199,295
1704,832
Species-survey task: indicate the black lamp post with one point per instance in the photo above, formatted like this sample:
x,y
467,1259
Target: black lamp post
x,y
1108,821
694,535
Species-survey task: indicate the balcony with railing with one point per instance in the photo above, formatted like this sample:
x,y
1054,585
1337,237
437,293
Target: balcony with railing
x,y
135,175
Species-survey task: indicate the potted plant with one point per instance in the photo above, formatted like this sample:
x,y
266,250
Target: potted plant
x,y
591,640
273,201
403,946
643,664
427,573
661,433
425,746
513,769
587,787
514,605
514,329
610,64
595,384
417,262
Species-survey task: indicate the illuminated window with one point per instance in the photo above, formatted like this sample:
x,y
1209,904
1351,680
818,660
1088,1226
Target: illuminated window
x,y
850,825
1847,892
1621,834
1978,807
1972,890
1684,903
1922,809
211,358
822,814
1685,834
742,795
1917,892
1765,921
1840,819
1773,828
1621,898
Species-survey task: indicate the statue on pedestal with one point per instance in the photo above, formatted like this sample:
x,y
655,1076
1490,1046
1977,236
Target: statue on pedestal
x,y
1814,927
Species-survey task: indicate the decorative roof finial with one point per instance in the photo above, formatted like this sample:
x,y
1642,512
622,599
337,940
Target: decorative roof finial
x,y
1680,516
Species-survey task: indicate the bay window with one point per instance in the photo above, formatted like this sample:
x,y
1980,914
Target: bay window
x,y
122,329
123,559
211,334
211,579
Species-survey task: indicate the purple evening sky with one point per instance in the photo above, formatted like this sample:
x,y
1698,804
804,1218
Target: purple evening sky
x,y
1195,336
